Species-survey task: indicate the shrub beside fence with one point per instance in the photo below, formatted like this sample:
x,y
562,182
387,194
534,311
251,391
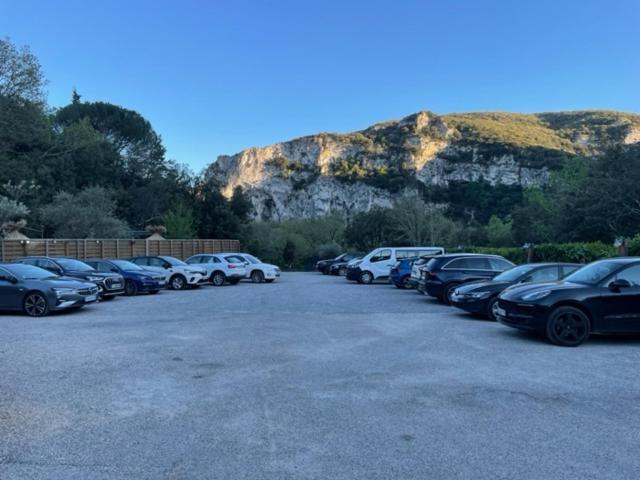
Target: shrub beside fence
x,y
113,248
552,252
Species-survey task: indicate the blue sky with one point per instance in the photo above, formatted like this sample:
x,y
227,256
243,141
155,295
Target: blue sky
x,y
215,77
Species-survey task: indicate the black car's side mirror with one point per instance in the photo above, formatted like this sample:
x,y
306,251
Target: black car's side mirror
x,y
619,283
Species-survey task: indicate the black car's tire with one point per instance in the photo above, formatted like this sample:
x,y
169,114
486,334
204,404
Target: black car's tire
x,y
234,281
491,309
366,277
130,288
218,279
35,304
178,282
257,276
269,280
153,292
325,271
110,297
448,293
342,272
568,327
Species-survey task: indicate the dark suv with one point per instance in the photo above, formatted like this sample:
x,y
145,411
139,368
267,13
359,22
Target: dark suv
x,y
109,284
442,274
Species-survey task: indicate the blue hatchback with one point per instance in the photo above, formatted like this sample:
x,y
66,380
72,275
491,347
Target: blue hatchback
x,y
400,274
136,279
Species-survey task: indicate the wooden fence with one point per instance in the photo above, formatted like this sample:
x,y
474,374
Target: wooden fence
x,y
112,248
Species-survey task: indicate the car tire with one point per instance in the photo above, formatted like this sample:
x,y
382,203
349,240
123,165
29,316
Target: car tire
x,y
130,288
105,299
153,292
568,327
178,282
366,278
269,280
342,272
448,292
218,279
35,304
257,276
234,281
491,309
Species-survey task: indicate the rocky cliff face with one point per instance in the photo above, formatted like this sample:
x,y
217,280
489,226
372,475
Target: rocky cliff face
x,y
353,172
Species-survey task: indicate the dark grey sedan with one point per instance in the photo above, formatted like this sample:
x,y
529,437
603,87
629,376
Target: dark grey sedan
x,y
37,292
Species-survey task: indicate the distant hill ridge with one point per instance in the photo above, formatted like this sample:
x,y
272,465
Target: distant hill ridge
x,y
352,172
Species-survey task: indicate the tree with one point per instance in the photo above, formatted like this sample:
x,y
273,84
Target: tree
x,y
20,73
179,222
289,253
87,214
371,229
499,232
12,215
240,205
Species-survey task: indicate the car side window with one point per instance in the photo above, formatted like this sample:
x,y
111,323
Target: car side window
x,y
546,274
381,256
196,259
155,262
499,265
47,265
29,261
140,261
402,254
457,264
567,269
5,276
631,275
215,260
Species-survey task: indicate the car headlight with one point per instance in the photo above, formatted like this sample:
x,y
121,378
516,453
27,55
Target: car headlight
x,y
94,279
64,291
536,295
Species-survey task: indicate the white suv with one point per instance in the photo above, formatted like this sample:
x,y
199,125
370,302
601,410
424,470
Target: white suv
x,y
258,271
221,267
178,274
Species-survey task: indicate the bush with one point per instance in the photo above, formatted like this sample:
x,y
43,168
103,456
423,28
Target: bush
x,y
551,252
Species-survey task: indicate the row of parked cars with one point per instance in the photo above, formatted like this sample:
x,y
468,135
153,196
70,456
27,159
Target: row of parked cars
x,y
38,285
565,302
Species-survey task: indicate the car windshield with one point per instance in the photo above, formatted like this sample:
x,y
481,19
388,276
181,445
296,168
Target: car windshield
x,y
174,261
593,273
514,273
29,272
71,264
252,259
126,265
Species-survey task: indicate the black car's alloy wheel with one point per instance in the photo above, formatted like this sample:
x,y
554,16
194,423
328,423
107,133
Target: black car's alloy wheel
x,y
342,271
568,327
218,279
448,293
257,276
35,305
178,282
492,309
130,288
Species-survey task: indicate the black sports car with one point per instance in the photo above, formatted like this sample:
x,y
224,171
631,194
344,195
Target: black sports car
x,y
340,268
482,297
324,266
602,297
36,291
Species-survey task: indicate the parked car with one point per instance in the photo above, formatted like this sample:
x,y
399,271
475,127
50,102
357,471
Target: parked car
x,y
136,279
482,297
324,266
37,292
221,267
258,271
401,273
416,270
341,268
601,297
377,264
109,284
178,274
443,274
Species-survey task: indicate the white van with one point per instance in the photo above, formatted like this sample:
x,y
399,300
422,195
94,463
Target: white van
x,y
377,264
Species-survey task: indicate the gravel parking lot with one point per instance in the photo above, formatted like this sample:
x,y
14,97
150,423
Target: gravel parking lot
x,y
311,377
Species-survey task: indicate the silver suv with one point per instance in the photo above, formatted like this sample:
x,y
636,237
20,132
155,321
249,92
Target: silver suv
x,y
220,267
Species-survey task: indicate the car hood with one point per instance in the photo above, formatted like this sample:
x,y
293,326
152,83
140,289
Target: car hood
x,y
483,286
518,291
64,282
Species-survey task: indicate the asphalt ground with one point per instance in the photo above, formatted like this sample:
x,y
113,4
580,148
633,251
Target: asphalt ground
x,y
311,377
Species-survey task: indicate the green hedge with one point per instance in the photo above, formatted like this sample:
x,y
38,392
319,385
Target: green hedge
x,y
556,252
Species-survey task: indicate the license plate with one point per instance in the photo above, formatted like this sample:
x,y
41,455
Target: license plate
x,y
90,298
116,285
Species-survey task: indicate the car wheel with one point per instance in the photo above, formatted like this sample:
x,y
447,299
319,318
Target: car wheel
x,y
234,281
153,292
178,282
342,271
366,278
269,280
110,297
35,305
492,309
257,276
218,279
568,327
130,288
448,293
